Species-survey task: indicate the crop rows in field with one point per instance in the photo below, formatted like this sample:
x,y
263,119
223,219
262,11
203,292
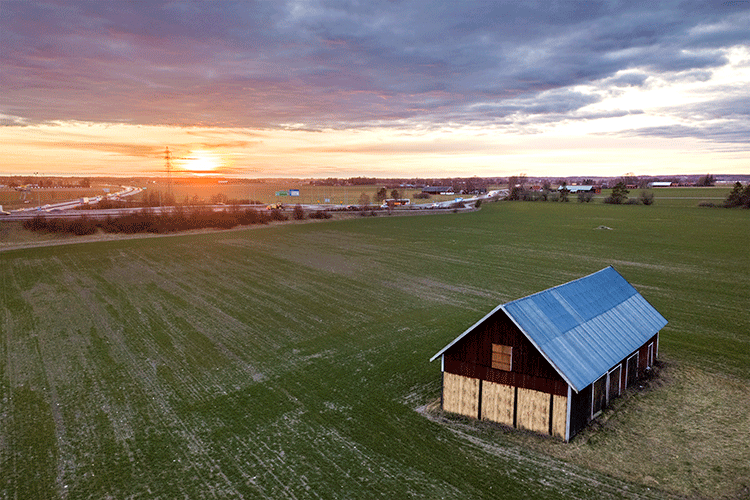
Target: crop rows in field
x,y
289,362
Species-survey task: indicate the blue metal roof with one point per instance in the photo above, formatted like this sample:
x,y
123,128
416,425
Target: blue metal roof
x,y
584,327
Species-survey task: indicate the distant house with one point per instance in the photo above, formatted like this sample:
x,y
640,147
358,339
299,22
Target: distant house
x,y
438,190
550,362
582,189
659,184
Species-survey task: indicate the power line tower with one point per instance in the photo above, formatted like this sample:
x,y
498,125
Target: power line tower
x,y
168,166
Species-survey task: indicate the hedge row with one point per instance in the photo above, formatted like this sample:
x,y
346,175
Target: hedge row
x,y
148,221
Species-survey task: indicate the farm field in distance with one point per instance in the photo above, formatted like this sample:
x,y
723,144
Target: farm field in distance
x,y
265,192
292,361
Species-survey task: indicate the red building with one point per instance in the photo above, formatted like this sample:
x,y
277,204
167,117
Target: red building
x,y
550,362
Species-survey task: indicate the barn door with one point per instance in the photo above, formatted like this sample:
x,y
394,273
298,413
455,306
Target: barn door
x,y
613,383
631,370
599,396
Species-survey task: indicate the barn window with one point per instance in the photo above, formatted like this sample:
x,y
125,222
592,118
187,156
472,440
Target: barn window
x,y
502,357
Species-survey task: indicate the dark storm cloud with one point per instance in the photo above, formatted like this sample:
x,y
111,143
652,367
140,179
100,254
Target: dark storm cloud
x,y
314,64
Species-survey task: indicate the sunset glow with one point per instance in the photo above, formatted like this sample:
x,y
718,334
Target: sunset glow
x,y
201,162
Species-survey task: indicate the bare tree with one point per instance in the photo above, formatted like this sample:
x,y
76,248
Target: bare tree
x,y
364,201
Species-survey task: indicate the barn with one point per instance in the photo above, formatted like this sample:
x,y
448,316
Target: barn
x,y
552,361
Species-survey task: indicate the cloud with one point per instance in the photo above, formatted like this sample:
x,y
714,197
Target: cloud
x,y
339,64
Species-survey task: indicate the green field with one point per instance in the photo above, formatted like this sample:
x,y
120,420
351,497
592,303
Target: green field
x,y
291,361
266,192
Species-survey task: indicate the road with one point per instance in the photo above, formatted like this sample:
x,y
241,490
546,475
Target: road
x,y
67,208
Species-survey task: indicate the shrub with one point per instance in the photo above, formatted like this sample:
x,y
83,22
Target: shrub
x,y
320,214
277,214
585,196
646,197
298,212
147,220
38,223
81,226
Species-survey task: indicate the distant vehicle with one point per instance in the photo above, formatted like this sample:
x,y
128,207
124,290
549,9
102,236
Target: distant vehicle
x,y
24,190
392,202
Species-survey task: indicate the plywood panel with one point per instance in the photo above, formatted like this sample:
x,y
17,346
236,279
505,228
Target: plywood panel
x,y
497,402
460,394
559,415
533,410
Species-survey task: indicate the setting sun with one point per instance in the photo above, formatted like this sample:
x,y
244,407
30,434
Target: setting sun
x,y
201,162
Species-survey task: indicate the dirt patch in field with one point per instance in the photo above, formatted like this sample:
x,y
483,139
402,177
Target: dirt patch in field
x,y
685,433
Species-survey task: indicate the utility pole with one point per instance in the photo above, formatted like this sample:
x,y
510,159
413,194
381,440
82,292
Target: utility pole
x,y
168,166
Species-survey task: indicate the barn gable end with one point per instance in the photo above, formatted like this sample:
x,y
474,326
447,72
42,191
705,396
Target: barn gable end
x,y
550,361
472,357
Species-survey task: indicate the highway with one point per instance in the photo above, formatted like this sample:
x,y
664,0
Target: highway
x,y
69,208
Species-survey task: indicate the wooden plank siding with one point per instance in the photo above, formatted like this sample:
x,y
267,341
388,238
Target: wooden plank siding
x,y
559,415
531,395
498,403
580,410
472,357
461,395
533,411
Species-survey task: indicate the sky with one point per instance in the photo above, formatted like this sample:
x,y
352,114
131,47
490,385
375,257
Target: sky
x,y
386,88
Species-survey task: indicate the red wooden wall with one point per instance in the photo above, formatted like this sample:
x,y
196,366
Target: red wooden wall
x,y
472,357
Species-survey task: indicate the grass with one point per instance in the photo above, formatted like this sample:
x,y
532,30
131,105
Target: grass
x,y
265,192
288,361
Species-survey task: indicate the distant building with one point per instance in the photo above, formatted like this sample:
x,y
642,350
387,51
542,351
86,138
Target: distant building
x,y
582,189
550,362
438,190
659,184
